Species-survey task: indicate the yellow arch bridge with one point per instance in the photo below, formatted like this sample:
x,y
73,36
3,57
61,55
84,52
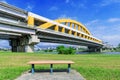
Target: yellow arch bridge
x,y
25,29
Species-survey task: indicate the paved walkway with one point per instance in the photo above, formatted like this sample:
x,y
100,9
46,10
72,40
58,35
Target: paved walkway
x,y
73,75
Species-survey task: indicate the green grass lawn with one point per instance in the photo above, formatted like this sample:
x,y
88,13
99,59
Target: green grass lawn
x,y
91,66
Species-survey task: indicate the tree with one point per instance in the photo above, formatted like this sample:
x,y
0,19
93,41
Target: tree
x,y
65,50
60,49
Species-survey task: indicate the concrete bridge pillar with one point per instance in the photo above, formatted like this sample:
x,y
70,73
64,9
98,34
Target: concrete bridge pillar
x,y
94,49
24,44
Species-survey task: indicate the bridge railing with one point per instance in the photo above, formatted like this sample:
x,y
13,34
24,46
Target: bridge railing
x,y
12,21
11,10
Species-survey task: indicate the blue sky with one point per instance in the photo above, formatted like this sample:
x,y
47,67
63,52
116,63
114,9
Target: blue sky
x,y
101,17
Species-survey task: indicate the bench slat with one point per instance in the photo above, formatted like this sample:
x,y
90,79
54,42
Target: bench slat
x,y
50,62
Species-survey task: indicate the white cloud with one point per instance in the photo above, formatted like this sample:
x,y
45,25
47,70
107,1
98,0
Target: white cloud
x,y
71,3
114,20
107,30
112,39
75,4
81,5
63,16
109,2
4,1
92,22
67,17
117,28
29,7
104,34
67,1
53,8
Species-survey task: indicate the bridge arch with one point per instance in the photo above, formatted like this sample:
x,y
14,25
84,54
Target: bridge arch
x,y
82,31
67,26
68,22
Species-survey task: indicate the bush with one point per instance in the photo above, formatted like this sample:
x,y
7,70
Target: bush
x,y
48,50
65,50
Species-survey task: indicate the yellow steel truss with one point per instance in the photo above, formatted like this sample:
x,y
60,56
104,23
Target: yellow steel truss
x,y
66,21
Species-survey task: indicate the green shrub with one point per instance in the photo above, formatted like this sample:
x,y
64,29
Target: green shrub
x,y
65,50
49,50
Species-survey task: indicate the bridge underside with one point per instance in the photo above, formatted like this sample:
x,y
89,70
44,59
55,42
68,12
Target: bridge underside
x,y
25,42
57,37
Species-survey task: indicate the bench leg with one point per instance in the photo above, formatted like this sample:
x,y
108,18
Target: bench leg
x,y
51,68
69,65
33,69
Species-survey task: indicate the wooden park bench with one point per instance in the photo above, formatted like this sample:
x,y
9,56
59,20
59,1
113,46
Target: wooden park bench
x,y
51,62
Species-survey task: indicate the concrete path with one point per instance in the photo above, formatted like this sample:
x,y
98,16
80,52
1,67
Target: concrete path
x,y
73,75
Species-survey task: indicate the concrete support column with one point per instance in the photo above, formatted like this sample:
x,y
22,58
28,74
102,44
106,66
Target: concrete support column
x,y
20,48
94,49
24,43
29,48
15,47
100,50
